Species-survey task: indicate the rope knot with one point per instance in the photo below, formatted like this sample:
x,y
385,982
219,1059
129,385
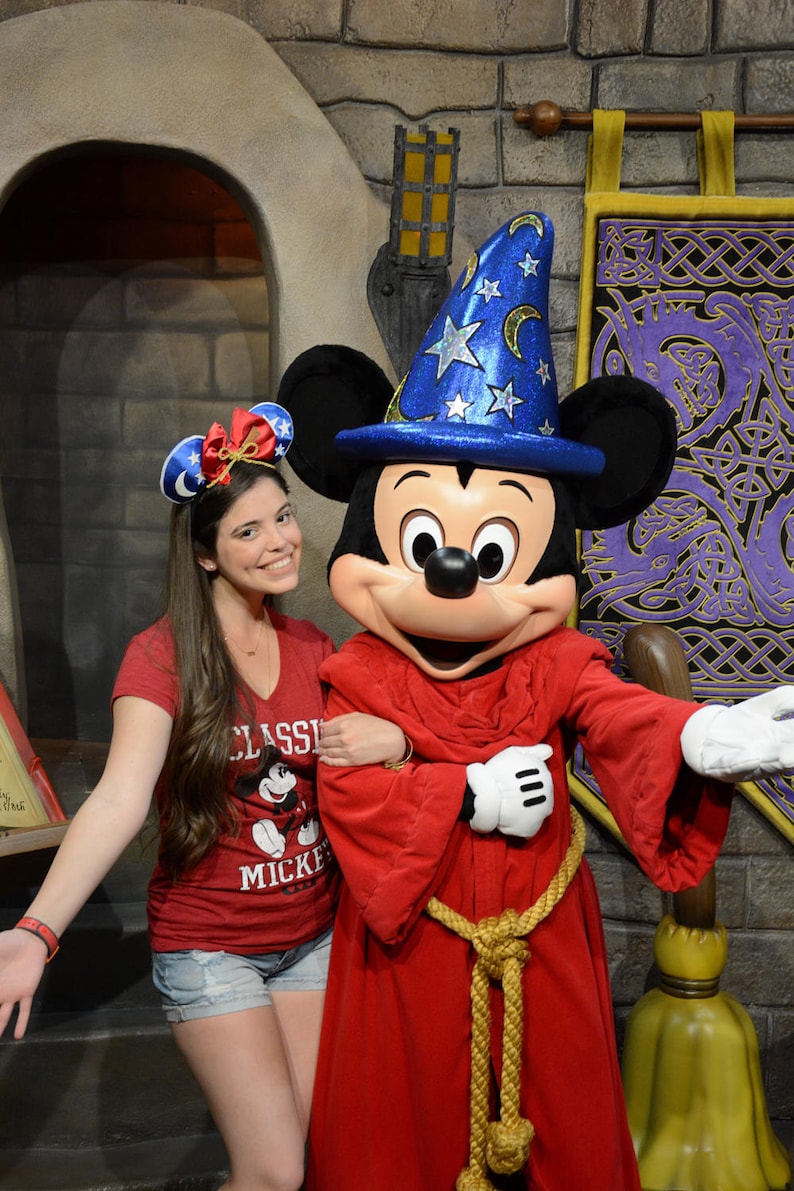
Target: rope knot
x,y
508,1145
497,940
502,952
473,1180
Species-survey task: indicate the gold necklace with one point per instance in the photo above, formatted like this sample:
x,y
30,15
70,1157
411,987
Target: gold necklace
x,y
249,653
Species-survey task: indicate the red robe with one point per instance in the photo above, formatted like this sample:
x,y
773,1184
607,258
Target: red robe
x,y
391,1108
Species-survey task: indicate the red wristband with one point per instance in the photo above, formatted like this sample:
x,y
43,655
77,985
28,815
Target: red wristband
x,y
46,935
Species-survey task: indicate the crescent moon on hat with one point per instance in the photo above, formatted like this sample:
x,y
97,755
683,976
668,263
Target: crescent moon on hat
x,y
471,269
176,481
394,413
532,220
181,488
513,324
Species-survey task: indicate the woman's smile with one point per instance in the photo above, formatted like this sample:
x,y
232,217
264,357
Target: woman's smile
x,y
279,564
258,544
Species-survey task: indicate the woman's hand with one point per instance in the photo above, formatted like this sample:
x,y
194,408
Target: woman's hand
x,y
22,960
358,739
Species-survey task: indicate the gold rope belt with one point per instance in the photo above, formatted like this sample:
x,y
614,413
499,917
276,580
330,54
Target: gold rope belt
x,y
502,952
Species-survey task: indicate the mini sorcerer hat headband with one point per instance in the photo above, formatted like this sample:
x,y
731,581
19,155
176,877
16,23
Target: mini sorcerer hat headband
x,y
259,435
482,386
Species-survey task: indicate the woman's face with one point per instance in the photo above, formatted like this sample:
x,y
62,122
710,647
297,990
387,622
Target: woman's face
x,y
258,546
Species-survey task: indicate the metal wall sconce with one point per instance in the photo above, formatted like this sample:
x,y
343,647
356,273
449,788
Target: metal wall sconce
x,y
409,278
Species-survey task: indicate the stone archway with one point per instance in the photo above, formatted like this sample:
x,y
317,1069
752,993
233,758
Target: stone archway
x,y
195,81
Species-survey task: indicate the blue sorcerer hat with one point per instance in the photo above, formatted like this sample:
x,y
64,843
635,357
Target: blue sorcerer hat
x,y
481,387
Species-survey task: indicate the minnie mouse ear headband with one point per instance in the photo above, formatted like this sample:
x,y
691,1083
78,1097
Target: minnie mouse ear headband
x,y
259,435
482,385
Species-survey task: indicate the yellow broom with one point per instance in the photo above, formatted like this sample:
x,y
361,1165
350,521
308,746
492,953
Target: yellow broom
x,y
691,1066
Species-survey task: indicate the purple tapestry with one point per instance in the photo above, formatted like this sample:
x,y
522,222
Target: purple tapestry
x,y
704,310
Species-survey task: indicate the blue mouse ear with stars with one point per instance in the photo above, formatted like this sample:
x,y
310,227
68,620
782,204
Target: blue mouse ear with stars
x,y
181,478
481,388
281,421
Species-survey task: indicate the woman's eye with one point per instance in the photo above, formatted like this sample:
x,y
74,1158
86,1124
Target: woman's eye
x,y
421,534
494,549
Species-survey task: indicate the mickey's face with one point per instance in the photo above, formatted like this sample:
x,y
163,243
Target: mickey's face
x,y
459,549
277,786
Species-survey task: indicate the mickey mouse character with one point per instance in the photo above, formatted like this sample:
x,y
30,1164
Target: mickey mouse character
x,y
469,973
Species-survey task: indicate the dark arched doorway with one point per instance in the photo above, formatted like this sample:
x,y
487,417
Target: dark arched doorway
x,y
134,312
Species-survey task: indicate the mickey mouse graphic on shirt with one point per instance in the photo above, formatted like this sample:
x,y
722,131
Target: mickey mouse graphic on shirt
x,y
276,785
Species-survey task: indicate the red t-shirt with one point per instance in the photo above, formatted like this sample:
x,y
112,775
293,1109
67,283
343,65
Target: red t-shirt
x,y
275,884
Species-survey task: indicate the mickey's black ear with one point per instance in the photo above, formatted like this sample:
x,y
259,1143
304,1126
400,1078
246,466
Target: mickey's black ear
x,y
327,389
635,428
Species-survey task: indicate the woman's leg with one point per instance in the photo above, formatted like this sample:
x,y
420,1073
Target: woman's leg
x,y
256,1068
300,1018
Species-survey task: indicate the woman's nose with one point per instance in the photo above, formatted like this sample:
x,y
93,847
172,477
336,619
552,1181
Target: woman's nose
x,y
276,538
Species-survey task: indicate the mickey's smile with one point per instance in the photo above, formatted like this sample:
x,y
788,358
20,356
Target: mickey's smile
x,y
447,655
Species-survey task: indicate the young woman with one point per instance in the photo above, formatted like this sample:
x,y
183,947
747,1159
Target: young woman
x,y
217,709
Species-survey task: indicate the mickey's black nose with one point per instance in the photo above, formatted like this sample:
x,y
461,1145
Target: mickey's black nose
x,y
451,573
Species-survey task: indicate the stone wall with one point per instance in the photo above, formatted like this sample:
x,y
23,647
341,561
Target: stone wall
x,y
370,65
470,64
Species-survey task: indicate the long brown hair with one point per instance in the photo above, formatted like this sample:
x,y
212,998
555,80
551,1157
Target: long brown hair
x,y
199,808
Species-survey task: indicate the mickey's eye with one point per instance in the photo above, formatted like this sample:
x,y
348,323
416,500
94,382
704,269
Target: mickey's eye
x,y
495,548
421,534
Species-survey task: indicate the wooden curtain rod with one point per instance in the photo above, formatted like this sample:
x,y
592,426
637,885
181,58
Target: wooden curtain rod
x,y
545,118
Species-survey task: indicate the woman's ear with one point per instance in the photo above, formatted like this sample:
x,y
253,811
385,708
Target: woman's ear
x,y
206,562
634,426
327,389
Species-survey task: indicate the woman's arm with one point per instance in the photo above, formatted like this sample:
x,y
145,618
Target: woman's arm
x,y
105,824
359,739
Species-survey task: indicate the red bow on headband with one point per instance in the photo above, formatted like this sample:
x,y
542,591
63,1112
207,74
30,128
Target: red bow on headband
x,y
251,439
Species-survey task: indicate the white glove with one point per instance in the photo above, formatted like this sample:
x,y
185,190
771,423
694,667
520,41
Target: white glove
x,y
744,742
513,792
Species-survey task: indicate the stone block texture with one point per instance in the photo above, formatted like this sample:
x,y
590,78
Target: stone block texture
x,y
608,27
466,25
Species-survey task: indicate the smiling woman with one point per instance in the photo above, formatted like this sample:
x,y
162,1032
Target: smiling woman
x,y
256,557
218,711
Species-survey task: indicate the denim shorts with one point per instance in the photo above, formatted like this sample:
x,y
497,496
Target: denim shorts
x,y
196,984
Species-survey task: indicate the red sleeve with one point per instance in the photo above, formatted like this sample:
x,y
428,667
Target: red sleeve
x,y
390,831
673,820
148,670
